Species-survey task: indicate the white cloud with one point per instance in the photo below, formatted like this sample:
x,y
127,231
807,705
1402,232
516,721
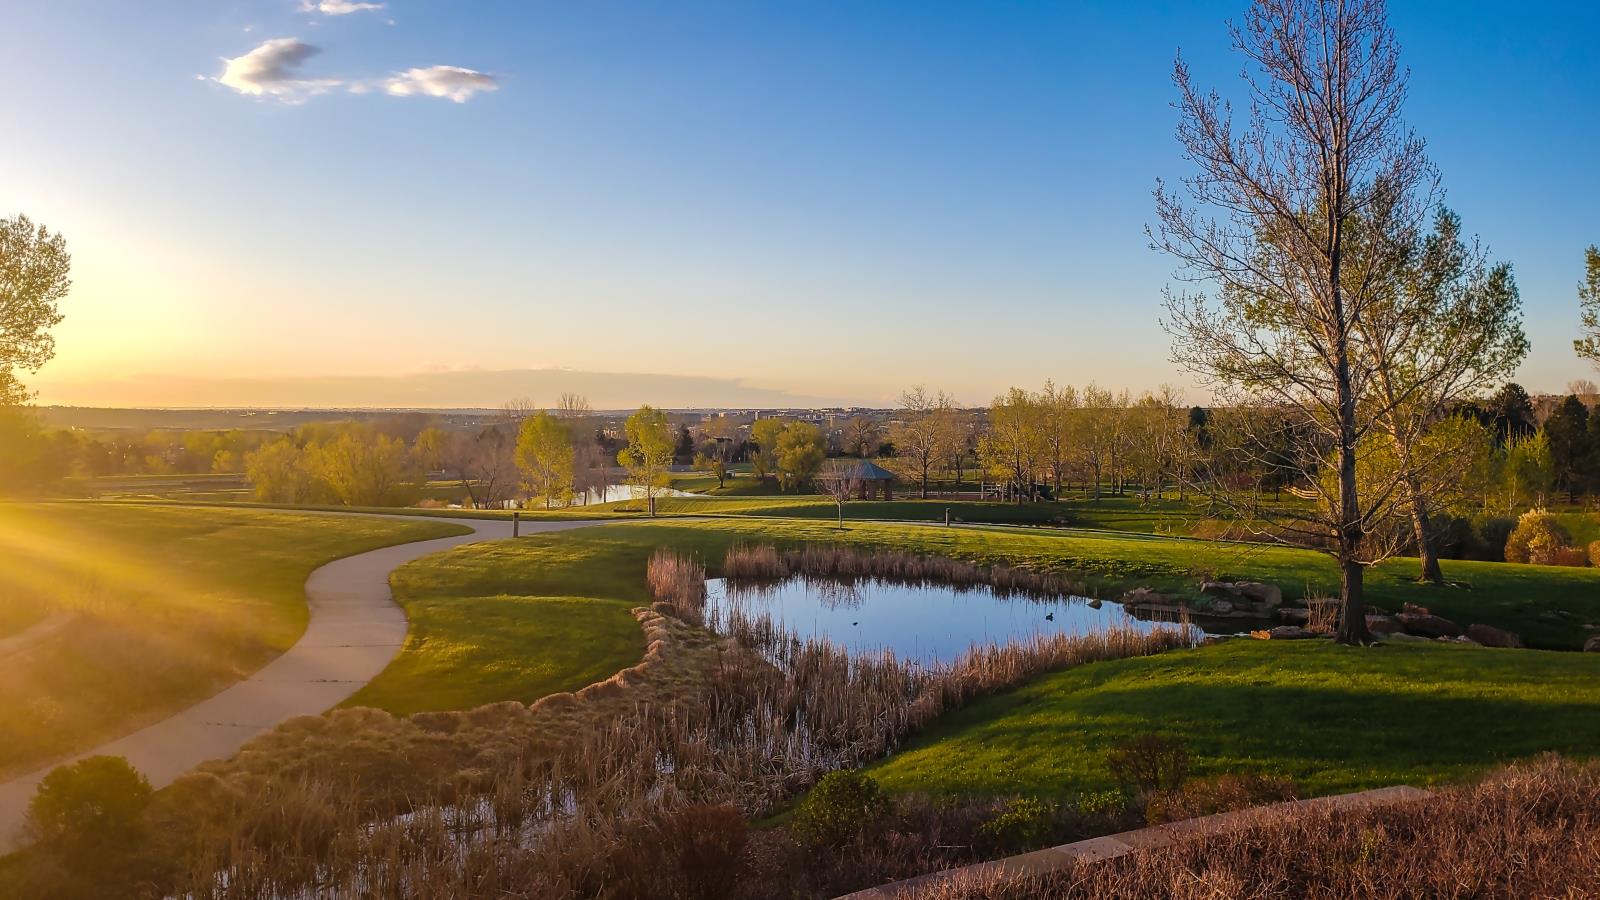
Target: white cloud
x,y
273,69
338,7
453,82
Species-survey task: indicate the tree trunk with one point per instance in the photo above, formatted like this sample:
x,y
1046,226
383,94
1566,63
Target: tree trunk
x,y
1426,551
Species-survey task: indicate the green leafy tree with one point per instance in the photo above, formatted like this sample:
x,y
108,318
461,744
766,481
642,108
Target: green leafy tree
x,y
1588,345
364,468
34,278
802,448
1568,431
764,434
545,455
280,473
648,455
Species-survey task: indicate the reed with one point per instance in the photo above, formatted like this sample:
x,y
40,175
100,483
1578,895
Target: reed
x,y
765,563
1529,830
555,800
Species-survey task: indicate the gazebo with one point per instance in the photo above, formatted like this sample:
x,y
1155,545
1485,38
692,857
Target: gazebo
x,y
871,477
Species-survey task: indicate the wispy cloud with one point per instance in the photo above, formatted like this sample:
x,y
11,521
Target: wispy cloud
x,y
273,69
452,82
338,7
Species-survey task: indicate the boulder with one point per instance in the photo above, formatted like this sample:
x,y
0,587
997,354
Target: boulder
x,y
1293,615
1428,625
1383,624
1094,603
1266,596
1490,636
1220,588
1592,645
1222,607
1143,596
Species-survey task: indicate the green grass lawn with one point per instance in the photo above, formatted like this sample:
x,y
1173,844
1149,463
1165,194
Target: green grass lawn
x,y
518,620
1332,718
513,621
169,604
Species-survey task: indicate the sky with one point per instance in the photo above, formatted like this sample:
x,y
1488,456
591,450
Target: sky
x,y
341,203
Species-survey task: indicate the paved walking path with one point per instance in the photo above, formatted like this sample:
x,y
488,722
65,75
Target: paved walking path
x,y
34,633
1055,859
355,630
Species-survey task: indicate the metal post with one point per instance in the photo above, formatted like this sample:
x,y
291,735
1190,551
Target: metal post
x,y
947,517
516,523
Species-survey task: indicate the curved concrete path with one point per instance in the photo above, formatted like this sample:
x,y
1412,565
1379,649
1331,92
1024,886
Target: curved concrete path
x,y
355,630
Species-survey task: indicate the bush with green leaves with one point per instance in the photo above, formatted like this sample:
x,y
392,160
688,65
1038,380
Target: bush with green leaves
x,y
1538,538
841,806
1023,823
95,801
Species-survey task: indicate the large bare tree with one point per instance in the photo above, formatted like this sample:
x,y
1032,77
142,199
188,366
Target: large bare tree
x,y
1299,221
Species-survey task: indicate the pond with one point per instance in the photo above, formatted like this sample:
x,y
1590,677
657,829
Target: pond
x,y
924,622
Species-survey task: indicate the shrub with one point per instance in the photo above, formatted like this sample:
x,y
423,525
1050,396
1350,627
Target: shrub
x,y
1102,805
840,807
707,840
1570,556
96,801
1536,539
1023,823
1149,764
1222,793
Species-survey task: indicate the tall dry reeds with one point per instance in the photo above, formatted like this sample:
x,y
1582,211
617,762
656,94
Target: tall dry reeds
x,y
758,563
1530,830
680,582
544,801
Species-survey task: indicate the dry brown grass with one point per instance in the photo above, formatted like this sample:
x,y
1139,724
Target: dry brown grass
x,y
543,801
757,563
1530,830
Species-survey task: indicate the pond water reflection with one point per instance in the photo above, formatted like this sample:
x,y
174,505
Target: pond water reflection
x,y
926,622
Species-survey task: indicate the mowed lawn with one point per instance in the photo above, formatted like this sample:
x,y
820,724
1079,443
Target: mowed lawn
x,y
1332,718
516,620
161,606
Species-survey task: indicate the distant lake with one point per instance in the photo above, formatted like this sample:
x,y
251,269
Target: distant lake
x,y
927,623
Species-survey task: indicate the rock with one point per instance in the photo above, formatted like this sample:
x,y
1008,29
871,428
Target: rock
x,y
1592,645
1094,603
1220,588
1490,636
1222,607
1293,615
1383,624
1283,633
1266,596
1142,596
1411,609
1458,639
1428,625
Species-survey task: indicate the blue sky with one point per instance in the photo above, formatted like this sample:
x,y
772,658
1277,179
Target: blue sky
x,y
835,200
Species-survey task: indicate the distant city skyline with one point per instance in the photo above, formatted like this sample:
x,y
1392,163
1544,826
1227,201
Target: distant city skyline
x,y
296,201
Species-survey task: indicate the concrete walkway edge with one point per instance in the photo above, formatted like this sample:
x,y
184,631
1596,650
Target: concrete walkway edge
x,y
1054,859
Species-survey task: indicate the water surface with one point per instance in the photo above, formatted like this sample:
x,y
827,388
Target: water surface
x,y
929,623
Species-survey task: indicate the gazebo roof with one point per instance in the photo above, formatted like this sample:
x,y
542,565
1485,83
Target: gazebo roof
x,y
867,470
